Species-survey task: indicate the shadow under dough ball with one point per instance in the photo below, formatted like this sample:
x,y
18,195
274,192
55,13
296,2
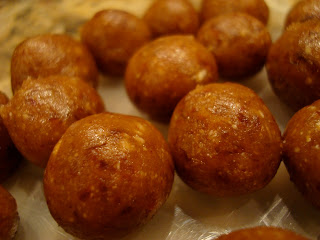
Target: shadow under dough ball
x,y
301,151
112,37
262,233
52,54
9,155
9,218
293,64
107,176
239,42
224,140
41,110
256,8
168,17
165,70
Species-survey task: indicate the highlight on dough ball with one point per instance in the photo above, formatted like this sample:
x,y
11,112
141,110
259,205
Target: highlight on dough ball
x,y
9,155
9,218
41,110
256,8
293,64
168,17
224,140
262,233
301,147
239,42
107,176
165,70
303,11
113,36
52,54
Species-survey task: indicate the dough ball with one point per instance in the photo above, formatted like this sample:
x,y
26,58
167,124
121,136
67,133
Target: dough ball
x,y
41,111
293,64
168,17
107,176
224,140
239,42
9,218
113,36
165,70
52,54
301,151
256,8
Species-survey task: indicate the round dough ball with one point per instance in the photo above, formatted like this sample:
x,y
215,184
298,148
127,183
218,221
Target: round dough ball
x,y
165,70
41,111
167,17
262,233
293,64
9,156
301,148
107,176
224,140
303,11
113,36
52,54
255,8
9,218
239,42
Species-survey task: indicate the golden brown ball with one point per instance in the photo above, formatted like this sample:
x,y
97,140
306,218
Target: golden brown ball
x,y
9,218
52,54
107,176
224,140
256,8
165,70
262,233
293,64
41,111
301,148
239,42
168,17
113,36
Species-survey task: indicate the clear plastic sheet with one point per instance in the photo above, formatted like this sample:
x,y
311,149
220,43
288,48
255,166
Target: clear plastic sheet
x,y
187,215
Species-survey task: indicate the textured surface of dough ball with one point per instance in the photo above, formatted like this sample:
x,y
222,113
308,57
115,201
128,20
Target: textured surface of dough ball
x,y
293,64
113,36
52,54
301,151
167,17
165,70
302,11
224,140
9,156
239,42
262,233
41,111
107,176
9,218
255,8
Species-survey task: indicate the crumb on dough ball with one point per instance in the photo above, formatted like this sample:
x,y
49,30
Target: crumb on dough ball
x,y
9,218
293,64
107,176
239,42
165,70
262,233
224,140
41,110
303,11
113,36
168,17
301,151
52,54
9,155
256,8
